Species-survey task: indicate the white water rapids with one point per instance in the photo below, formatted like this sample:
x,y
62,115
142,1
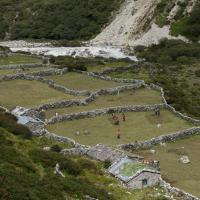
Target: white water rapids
x,y
47,49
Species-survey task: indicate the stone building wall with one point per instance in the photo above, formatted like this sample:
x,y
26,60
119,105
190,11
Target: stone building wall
x,y
153,179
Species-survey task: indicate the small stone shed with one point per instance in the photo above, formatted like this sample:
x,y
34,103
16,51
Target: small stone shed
x,y
134,173
26,118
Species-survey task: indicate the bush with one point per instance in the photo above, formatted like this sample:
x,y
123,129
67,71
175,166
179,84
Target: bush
x,y
56,148
55,19
9,122
183,60
197,73
107,164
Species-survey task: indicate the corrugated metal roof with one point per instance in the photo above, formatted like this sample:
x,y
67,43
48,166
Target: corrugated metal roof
x,y
25,119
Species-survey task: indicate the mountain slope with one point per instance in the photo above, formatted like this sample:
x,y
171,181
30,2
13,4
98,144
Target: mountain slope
x,y
54,19
144,22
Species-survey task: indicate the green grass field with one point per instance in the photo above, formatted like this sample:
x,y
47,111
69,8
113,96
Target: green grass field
x,y
19,59
183,176
134,97
139,126
28,94
78,81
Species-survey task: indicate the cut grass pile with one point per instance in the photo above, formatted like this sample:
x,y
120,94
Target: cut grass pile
x,y
134,97
183,176
78,81
28,94
19,59
139,126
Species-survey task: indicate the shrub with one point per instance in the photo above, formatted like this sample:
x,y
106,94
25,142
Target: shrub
x,y
197,73
9,122
107,164
56,148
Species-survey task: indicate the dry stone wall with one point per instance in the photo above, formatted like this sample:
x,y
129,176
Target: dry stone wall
x,y
108,78
160,139
17,66
178,192
50,83
98,112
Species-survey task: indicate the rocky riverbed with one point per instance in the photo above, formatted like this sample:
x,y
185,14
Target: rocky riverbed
x,y
83,51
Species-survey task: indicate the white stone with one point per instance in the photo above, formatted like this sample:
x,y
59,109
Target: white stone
x,y
47,148
152,151
184,159
158,125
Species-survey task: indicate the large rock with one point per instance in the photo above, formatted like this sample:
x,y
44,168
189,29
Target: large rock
x,y
184,159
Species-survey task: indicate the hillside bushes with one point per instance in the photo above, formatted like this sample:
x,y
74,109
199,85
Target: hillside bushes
x,y
54,19
9,122
189,26
170,52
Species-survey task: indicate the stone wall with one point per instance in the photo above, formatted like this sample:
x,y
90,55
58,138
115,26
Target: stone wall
x,y
160,139
50,83
92,96
98,112
108,78
17,66
152,177
45,133
178,192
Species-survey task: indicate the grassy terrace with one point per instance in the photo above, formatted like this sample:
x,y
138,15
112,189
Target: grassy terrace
x,y
19,59
183,176
28,94
139,126
26,70
135,97
78,81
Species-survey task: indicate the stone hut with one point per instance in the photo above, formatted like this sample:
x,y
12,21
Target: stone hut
x,y
25,118
134,173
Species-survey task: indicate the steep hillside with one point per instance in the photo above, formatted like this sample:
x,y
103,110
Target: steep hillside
x,y
27,170
145,22
54,19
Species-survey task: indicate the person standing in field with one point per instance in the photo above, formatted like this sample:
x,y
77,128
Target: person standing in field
x,y
123,117
118,133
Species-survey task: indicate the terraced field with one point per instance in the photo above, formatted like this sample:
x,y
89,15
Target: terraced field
x,y
19,70
19,59
133,97
78,81
139,126
28,94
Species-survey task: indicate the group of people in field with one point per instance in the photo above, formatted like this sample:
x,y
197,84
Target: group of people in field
x,y
116,120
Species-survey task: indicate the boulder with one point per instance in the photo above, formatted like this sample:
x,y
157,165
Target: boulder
x,y
184,159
